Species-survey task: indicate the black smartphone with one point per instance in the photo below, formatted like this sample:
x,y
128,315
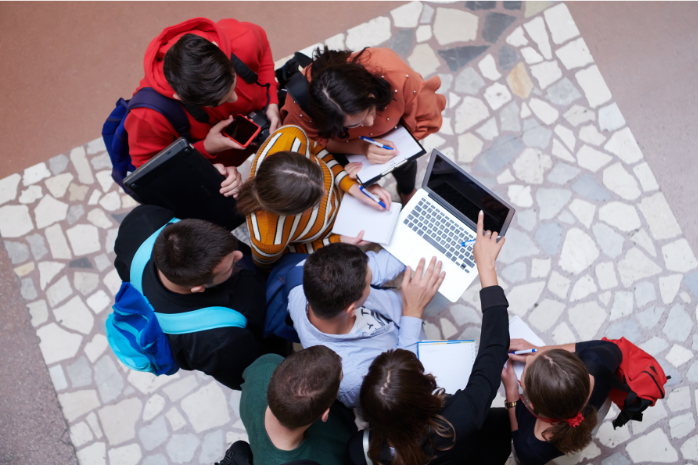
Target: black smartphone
x,y
242,130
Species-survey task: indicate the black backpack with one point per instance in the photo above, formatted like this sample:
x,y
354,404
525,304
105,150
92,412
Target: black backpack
x,y
240,453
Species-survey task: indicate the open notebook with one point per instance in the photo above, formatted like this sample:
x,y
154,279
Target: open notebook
x,y
451,362
355,216
406,144
518,329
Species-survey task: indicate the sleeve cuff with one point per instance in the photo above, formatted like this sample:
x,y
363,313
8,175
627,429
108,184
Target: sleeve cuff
x,y
347,183
199,146
410,329
493,296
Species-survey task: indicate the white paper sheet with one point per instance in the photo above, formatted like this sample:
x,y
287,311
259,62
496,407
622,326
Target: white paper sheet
x,y
355,216
451,362
518,329
405,144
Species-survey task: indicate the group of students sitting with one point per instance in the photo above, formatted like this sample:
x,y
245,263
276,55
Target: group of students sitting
x,y
359,337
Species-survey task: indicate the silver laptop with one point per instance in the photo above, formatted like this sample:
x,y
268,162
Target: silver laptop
x,y
441,216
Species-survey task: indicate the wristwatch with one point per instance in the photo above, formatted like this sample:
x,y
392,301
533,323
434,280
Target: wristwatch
x,y
510,404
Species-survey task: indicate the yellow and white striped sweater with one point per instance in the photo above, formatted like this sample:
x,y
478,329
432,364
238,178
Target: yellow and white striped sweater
x,y
272,234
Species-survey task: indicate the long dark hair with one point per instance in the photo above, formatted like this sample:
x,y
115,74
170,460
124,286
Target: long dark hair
x,y
403,405
557,385
286,183
341,86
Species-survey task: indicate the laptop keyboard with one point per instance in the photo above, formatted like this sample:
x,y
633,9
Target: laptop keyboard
x,y
443,233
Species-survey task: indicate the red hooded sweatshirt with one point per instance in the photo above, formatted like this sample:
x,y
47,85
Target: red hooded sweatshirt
x,y
149,132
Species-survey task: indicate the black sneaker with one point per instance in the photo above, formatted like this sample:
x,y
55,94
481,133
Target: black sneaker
x,y
239,453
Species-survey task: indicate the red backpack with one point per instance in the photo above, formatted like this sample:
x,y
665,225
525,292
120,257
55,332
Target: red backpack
x,y
637,384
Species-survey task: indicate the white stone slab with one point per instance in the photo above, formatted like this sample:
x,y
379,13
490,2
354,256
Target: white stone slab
x,y
517,38
622,305
506,177
94,454
176,419
592,159
620,215
94,197
593,85
635,266
662,223
15,221
546,314
119,420
536,30
620,182
423,33
59,291
669,287
520,195
111,202
591,135
497,95
531,166
560,23
525,111
38,311
98,301
563,334
469,113
488,68
57,243
49,211
645,176
35,173
80,434
540,267
105,180
578,115
126,455
206,408
681,425
58,377
583,288
82,166
8,187
575,54
58,185
543,110
579,251
96,347
98,218
113,282
531,55
424,60
606,275
679,399
75,315
566,135
148,383
652,447
610,118
587,319
489,130
610,437
447,328
84,239
560,151
524,297
153,406
623,145
546,73
75,404
678,256
181,388
336,42
30,195
469,147
583,210
453,25
48,271
689,449
678,355
558,285
407,15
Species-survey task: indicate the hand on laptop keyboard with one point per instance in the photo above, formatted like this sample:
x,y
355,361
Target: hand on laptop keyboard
x,y
485,251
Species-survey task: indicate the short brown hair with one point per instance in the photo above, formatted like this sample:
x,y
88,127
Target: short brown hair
x,y
187,252
557,385
304,385
286,183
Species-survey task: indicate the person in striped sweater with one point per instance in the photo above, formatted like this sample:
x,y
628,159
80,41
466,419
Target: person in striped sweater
x,y
292,197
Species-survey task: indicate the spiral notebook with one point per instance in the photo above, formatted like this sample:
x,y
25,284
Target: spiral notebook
x,y
355,216
451,362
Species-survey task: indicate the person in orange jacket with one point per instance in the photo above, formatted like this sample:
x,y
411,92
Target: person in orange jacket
x,y
367,93
190,62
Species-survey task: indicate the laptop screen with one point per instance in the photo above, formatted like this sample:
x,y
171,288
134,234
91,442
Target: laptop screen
x,y
465,195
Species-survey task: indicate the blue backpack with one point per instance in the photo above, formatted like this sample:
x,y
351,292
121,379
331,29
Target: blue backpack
x,y
287,274
137,333
116,138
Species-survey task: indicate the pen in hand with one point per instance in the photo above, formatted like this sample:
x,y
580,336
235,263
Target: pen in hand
x,y
377,144
522,352
375,198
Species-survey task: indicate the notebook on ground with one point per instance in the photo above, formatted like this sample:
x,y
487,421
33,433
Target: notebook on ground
x,y
405,143
451,362
518,329
355,216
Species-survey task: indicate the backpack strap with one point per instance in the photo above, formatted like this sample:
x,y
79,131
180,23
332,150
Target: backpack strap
x,y
140,259
148,97
247,75
293,278
200,320
365,440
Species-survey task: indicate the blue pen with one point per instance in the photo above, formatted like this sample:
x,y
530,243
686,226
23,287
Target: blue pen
x,y
371,196
377,144
522,352
463,244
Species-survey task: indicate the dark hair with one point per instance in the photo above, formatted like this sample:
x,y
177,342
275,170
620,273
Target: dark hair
x,y
198,71
341,86
188,251
286,183
334,277
557,385
403,406
304,385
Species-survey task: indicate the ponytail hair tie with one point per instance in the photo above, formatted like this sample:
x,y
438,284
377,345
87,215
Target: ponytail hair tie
x,y
576,420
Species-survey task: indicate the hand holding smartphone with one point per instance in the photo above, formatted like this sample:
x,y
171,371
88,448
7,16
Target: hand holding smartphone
x,y
242,130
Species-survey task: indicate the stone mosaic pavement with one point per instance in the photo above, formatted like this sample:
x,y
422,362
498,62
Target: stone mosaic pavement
x,y
593,250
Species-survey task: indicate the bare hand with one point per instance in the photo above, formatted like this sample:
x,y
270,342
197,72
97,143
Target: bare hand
x,y
510,381
216,141
375,189
377,155
353,169
520,344
274,117
232,181
485,251
418,290
358,240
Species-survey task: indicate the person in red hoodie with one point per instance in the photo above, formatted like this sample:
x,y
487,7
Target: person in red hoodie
x,y
190,62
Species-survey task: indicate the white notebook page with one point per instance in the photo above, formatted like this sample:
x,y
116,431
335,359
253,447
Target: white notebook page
x,y
451,362
355,216
518,329
405,144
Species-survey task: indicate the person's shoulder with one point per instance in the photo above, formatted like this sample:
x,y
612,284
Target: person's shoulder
x,y
263,366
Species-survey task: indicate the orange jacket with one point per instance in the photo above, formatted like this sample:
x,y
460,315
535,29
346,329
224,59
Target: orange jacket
x,y
416,101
